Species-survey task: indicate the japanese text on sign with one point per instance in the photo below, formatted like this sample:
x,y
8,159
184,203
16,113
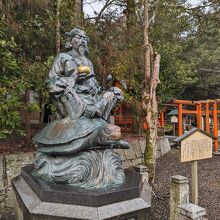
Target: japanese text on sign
x,y
196,149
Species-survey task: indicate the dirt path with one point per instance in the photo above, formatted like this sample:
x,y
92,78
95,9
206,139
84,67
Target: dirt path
x,y
209,184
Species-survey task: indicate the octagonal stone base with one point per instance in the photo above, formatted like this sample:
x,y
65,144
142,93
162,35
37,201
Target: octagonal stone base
x,y
34,200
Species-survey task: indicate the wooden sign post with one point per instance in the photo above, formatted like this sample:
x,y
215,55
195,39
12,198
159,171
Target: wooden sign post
x,y
195,145
195,182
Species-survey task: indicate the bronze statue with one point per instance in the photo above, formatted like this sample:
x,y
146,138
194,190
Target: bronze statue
x,y
83,108
74,86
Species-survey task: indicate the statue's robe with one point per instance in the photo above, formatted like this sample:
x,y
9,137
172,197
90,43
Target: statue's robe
x,y
71,96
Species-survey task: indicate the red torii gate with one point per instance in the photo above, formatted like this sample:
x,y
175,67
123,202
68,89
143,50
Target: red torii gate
x,y
198,112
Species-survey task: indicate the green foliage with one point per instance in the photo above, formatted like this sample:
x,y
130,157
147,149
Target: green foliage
x,y
120,50
187,39
35,74
27,49
26,42
205,53
35,39
9,111
169,37
175,74
10,85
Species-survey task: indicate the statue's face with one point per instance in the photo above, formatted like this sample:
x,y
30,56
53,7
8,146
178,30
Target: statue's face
x,y
80,43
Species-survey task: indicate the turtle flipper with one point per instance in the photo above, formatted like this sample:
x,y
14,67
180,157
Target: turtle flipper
x,y
122,144
119,144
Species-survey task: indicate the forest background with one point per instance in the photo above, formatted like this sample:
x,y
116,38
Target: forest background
x,y
32,32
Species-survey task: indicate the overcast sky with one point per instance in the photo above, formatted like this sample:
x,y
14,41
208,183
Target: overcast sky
x,y
89,9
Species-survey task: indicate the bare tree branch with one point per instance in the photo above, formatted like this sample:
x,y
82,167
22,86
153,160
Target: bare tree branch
x,y
152,19
107,4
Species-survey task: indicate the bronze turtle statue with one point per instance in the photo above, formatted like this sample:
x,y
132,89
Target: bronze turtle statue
x,y
75,136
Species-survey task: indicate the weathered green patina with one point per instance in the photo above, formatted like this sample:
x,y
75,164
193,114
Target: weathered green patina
x,y
83,108
78,135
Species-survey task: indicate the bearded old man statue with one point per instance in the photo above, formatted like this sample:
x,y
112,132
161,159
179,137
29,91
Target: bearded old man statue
x,y
76,149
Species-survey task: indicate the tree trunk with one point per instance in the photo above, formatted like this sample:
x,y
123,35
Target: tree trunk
x,y
27,119
149,100
147,52
41,103
58,27
150,106
78,9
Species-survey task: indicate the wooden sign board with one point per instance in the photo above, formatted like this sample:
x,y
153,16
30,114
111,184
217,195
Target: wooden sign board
x,y
196,146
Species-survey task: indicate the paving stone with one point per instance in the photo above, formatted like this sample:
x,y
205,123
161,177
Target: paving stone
x,y
2,184
9,200
2,170
121,153
136,161
14,162
192,211
143,145
164,145
127,164
129,153
137,148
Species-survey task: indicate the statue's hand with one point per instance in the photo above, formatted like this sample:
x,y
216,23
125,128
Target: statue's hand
x,y
118,93
82,76
68,90
91,111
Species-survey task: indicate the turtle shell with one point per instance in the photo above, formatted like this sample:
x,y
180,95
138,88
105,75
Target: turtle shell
x,y
66,130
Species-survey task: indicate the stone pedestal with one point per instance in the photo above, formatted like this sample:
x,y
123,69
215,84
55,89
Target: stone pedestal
x,y
38,200
179,194
191,211
180,207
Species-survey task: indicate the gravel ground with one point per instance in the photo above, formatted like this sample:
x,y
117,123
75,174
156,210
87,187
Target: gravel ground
x,y
167,166
209,184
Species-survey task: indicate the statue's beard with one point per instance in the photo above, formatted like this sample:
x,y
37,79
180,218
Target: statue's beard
x,y
82,49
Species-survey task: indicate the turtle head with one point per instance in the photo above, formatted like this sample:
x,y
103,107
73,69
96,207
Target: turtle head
x,y
112,131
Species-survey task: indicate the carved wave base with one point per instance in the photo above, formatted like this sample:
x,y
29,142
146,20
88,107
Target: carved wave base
x,y
91,169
